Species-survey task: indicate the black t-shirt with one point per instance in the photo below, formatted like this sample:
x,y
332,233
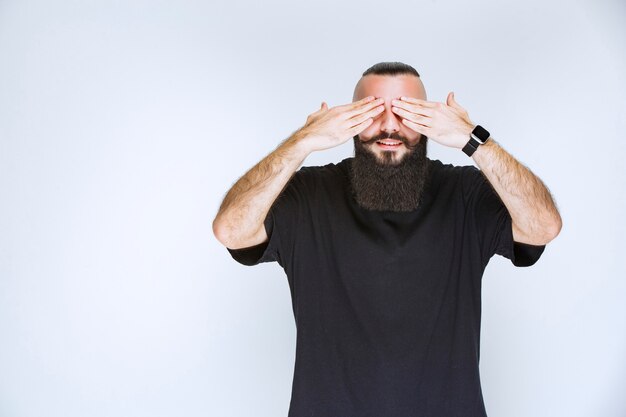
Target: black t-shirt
x,y
387,304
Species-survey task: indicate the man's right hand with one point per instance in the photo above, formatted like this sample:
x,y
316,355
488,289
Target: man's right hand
x,y
327,128
239,221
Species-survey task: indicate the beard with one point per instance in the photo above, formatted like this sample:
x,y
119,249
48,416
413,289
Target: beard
x,y
387,184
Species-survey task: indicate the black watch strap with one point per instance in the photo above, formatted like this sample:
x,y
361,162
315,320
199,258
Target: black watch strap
x,y
478,136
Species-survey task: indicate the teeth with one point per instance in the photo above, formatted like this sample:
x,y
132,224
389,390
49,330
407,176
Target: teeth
x,y
389,143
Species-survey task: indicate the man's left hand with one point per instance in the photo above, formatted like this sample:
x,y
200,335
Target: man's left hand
x,y
445,123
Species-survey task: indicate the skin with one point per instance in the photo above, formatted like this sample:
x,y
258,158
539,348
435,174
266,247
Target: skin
x,y
535,218
387,123
239,221
403,113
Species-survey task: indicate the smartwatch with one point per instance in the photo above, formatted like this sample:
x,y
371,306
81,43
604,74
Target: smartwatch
x,y
478,136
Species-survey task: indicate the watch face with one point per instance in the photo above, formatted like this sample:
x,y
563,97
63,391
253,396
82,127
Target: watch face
x,y
480,134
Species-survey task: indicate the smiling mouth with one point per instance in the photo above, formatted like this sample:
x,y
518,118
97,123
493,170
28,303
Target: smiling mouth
x,y
389,143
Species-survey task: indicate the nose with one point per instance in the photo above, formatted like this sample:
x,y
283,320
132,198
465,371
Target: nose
x,y
389,121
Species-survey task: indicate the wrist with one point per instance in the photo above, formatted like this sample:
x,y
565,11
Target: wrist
x,y
300,142
467,134
477,138
484,148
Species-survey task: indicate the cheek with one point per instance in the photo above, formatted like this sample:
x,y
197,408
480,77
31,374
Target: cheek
x,y
369,131
374,128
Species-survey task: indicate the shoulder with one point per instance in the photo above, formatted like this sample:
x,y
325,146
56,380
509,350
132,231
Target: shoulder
x,y
458,179
452,173
452,170
316,180
332,168
328,173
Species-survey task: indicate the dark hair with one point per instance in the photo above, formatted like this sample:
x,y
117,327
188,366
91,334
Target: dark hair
x,y
391,68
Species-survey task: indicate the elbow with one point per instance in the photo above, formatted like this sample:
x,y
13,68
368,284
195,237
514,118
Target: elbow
x,y
233,236
552,230
228,236
219,231
540,234
555,228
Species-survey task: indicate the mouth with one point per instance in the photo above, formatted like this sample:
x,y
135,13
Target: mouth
x,y
389,143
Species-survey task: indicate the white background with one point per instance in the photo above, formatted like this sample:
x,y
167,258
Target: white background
x,y
124,123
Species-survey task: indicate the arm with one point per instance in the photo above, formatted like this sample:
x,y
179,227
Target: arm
x,y
239,221
535,218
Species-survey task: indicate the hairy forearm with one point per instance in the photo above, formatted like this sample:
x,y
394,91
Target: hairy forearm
x,y
244,208
534,215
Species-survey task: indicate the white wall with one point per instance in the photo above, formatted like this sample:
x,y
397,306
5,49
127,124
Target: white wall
x,y
124,123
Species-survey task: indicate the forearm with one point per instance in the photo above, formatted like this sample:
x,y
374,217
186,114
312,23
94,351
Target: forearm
x,y
535,218
245,206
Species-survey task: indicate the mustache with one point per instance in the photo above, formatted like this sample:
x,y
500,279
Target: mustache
x,y
394,136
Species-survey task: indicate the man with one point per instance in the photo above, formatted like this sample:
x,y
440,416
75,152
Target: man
x,y
385,252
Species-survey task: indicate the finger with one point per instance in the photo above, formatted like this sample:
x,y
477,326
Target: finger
x,y
363,100
419,128
355,130
414,100
358,103
413,108
323,107
373,113
416,118
367,106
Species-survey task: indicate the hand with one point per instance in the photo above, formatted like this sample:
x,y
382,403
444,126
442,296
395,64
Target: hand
x,y
327,128
447,124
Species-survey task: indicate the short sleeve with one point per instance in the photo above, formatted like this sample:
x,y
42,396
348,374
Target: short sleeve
x,y
280,224
493,223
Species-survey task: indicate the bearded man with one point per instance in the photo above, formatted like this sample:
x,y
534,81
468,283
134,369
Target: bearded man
x,y
384,252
